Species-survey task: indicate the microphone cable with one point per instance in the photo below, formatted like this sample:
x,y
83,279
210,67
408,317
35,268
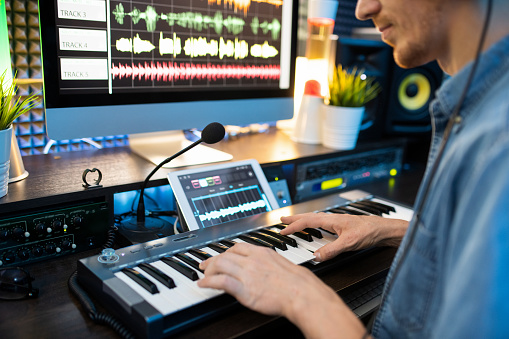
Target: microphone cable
x,y
212,133
455,118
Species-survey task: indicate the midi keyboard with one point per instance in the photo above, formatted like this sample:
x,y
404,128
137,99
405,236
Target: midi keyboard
x,y
151,287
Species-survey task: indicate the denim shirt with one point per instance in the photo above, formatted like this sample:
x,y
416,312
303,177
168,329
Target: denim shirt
x,y
453,281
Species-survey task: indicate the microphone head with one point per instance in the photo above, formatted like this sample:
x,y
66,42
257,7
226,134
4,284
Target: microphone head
x,y
212,133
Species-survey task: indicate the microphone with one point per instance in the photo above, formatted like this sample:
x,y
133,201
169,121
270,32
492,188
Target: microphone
x,y
212,133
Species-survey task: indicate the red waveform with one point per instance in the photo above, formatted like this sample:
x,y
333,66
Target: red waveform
x,y
168,71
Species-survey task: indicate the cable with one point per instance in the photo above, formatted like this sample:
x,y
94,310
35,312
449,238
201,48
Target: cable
x,y
87,303
447,132
96,317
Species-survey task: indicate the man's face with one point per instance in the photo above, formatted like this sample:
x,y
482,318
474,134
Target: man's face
x,y
414,28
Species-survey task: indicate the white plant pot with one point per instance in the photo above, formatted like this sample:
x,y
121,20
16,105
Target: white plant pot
x,y
340,126
5,154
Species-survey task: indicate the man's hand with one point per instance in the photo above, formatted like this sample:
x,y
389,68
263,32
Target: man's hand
x,y
354,232
263,280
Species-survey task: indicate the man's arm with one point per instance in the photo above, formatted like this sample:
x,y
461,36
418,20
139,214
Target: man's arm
x,y
266,282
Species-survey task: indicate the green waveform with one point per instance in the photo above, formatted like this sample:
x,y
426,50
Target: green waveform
x,y
274,27
196,21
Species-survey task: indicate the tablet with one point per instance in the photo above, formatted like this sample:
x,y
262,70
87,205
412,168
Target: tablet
x,y
213,195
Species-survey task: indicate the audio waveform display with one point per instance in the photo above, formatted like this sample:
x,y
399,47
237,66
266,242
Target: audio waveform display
x,y
169,71
231,205
224,212
243,5
134,45
190,20
263,51
274,27
197,47
169,45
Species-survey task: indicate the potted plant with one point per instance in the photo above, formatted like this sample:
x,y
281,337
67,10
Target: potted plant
x,y
10,109
349,91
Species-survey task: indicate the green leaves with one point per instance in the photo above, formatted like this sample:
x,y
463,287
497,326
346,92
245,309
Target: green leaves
x,y
11,107
351,88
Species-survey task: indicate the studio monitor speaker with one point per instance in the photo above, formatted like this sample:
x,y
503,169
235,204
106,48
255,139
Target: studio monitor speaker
x,y
411,92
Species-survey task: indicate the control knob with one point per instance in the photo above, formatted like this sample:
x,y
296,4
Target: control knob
x,y
18,233
9,257
57,225
37,251
40,228
67,244
77,221
24,254
4,234
50,248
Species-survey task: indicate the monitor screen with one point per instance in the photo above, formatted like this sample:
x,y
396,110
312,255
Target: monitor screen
x,y
116,67
213,195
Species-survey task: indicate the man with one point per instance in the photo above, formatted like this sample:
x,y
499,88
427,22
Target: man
x,y
450,277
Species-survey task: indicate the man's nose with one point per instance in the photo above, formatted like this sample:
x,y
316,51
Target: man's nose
x,y
366,9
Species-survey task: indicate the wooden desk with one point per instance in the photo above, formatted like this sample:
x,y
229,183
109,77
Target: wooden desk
x,y
56,180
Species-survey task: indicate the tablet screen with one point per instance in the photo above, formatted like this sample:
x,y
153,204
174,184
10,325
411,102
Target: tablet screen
x,y
213,195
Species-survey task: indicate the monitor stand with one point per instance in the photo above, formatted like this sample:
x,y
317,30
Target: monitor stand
x,y
158,146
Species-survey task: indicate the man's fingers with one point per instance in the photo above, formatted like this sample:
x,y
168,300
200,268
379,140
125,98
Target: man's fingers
x,y
223,282
298,222
329,251
226,263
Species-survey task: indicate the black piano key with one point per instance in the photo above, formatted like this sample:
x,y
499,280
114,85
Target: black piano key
x,y
228,243
337,211
220,248
256,241
314,232
346,210
188,260
141,280
365,208
301,234
304,236
287,240
158,275
200,254
270,239
369,204
390,208
181,268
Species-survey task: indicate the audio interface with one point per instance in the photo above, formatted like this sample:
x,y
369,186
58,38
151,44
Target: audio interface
x,y
41,236
317,178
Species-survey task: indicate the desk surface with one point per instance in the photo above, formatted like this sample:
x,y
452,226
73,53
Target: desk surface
x,y
57,179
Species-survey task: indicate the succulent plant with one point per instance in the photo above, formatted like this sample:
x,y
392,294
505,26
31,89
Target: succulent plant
x,y
351,88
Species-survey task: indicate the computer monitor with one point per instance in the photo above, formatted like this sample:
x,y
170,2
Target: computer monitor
x,y
117,67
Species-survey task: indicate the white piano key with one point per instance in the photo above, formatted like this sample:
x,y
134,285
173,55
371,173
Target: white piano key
x,y
209,251
160,304
292,254
401,211
327,236
175,296
204,293
310,246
